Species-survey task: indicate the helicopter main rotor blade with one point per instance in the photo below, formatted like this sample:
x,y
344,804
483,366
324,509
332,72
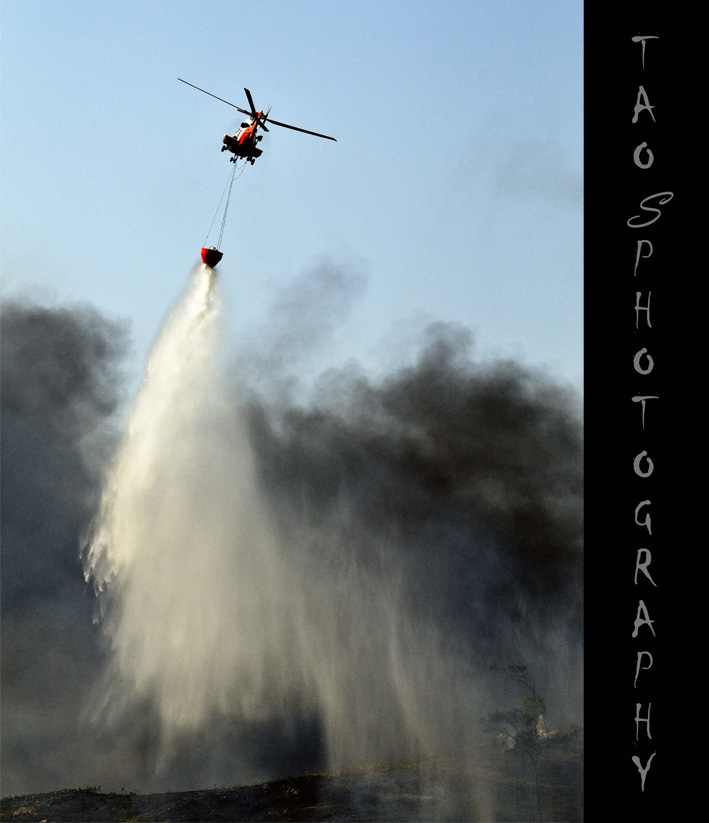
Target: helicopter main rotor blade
x,y
251,102
305,131
243,111
253,113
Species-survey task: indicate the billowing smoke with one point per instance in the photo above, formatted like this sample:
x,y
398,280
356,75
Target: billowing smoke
x,y
280,585
60,388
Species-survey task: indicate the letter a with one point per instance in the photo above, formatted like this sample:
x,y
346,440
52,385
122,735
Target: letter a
x,y
644,105
644,619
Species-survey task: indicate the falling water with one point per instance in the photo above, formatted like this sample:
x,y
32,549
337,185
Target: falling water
x,y
181,554
213,609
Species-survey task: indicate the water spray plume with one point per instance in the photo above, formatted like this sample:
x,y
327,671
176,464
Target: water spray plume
x,y
209,611
180,539
307,578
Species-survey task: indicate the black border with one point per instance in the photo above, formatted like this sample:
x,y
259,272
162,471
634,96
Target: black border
x,y
614,436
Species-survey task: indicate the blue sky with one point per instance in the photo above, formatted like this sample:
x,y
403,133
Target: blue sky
x,y
455,187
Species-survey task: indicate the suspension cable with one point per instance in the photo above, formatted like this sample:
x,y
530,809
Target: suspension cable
x,y
221,230
229,184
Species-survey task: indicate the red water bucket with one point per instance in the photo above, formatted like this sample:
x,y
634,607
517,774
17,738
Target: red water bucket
x,y
210,257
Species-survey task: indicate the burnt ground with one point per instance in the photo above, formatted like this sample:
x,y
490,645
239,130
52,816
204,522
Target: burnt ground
x,y
482,785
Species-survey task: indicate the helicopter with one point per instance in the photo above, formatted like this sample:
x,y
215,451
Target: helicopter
x,y
243,142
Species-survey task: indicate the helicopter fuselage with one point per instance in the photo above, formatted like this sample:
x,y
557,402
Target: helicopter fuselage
x,y
243,142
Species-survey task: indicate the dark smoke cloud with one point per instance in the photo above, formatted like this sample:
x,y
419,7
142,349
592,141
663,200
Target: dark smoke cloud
x,y
477,468
469,472
60,387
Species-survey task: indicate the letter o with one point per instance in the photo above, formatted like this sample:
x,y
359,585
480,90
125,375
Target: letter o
x,y
636,157
638,461
636,362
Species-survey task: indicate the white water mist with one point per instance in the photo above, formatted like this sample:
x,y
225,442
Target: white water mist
x,y
181,552
211,612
